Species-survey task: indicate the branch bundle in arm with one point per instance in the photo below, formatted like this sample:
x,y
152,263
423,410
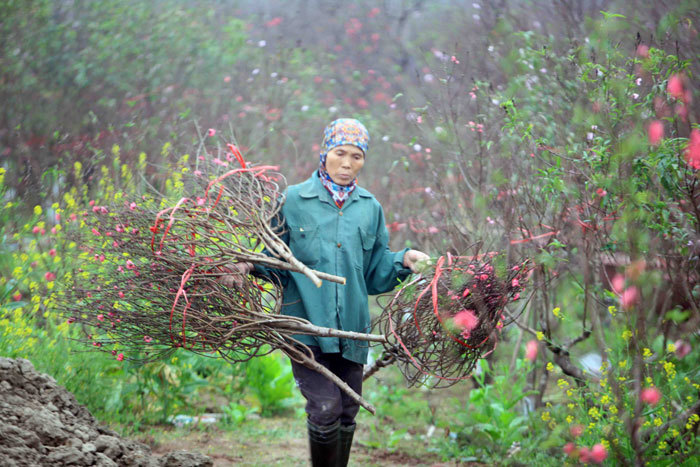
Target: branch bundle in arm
x,y
440,324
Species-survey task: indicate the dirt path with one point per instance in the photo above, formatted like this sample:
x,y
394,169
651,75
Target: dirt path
x,y
270,441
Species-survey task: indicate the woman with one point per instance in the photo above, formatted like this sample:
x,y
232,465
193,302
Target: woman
x,y
335,226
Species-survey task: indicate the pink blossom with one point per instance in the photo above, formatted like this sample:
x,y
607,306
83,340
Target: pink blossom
x,y
682,348
227,79
433,230
584,454
120,357
531,349
120,269
466,320
650,396
576,430
97,344
121,294
600,192
643,50
50,277
147,339
53,230
618,283
52,252
200,201
211,132
92,202
598,454
58,217
692,151
130,264
515,283
675,86
100,317
656,132
630,297
198,173
484,277
516,297
454,60
119,228
132,206
569,449
465,293
73,217
17,297
96,232
42,231
36,230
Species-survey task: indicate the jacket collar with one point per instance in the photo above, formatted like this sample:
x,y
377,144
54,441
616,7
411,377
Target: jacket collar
x,y
313,188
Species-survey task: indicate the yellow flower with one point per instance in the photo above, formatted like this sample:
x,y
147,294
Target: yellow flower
x,y
658,421
623,363
670,369
546,416
626,334
569,419
603,382
557,312
613,409
671,347
37,210
612,310
540,335
605,399
594,413
549,366
571,406
646,353
562,383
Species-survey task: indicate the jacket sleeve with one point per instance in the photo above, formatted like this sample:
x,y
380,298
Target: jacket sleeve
x,y
385,266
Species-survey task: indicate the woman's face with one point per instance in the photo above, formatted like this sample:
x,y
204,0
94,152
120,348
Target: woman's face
x,y
343,163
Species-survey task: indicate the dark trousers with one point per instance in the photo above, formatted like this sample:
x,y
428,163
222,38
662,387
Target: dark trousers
x,y
325,402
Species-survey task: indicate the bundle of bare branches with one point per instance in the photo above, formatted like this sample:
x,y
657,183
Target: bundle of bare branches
x,y
149,281
441,323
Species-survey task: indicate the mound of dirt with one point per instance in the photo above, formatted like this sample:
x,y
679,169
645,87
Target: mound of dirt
x,y
43,424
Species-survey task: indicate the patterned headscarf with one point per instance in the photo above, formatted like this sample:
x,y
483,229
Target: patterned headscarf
x,y
337,133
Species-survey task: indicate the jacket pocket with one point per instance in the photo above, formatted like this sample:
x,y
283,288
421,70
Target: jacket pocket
x,y
368,240
305,243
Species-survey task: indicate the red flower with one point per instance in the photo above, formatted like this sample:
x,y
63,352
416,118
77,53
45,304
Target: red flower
x,y
650,396
130,264
96,232
50,277
531,349
692,151
211,132
17,297
570,449
598,454
675,86
656,132
120,357
466,320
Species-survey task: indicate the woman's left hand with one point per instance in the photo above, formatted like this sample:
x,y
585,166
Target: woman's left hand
x,y
412,258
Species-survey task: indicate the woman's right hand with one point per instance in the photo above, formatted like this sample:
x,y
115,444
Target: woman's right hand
x,y
238,270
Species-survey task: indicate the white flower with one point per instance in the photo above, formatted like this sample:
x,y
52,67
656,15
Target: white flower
x,y
417,147
476,17
439,130
255,71
638,81
273,74
428,78
385,138
495,101
543,71
490,48
635,96
589,136
304,108
332,109
477,6
262,43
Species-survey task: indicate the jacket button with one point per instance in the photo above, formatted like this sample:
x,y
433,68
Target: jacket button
x,y
338,244
340,213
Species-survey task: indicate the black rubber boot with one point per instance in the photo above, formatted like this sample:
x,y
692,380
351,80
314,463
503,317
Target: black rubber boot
x,y
323,444
346,433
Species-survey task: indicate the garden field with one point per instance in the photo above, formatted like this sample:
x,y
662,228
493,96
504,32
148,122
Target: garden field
x,y
556,143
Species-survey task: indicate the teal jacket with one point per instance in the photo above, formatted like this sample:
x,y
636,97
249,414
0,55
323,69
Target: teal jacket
x,y
351,242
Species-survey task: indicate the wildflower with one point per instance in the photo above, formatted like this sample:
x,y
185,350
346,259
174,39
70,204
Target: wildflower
x,y
540,335
557,312
675,86
49,276
549,366
618,283
466,320
650,396
598,453
671,347
100,317
655,132
96,232
682,348
121,294
17,297
576,430
622,364
626,334
465,293
531,349
515,283
147,339
612,310
132,206
130,264
120,357
646,353
454,60
594,413
584,454
670,369
546,416
600,192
